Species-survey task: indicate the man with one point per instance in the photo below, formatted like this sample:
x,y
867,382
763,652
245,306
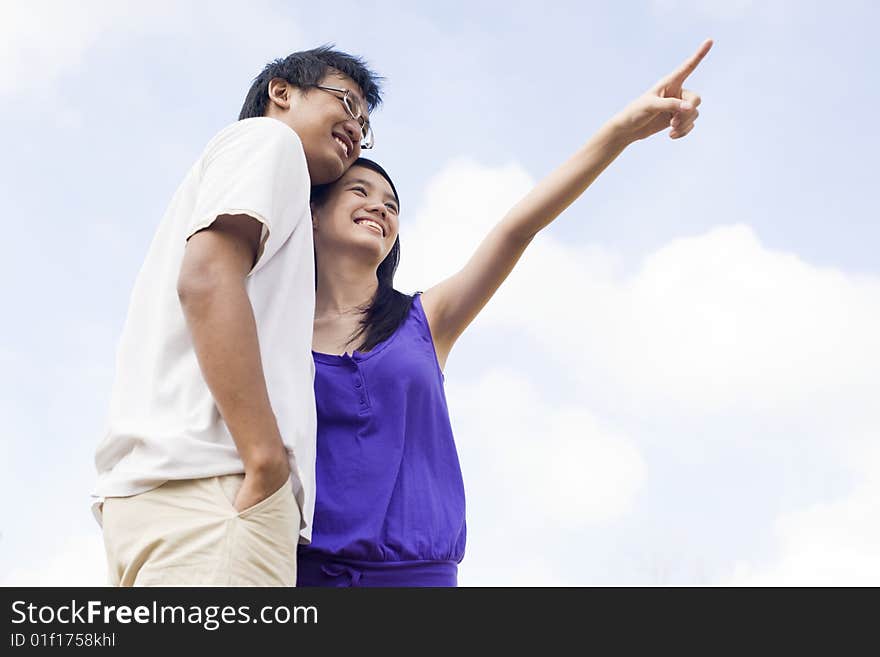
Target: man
x,y
206,472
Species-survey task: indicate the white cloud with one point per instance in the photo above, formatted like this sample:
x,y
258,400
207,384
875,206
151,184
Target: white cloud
x,y
533,468
835,543
79,561
485,567
462,202
44,40
708,323
546,462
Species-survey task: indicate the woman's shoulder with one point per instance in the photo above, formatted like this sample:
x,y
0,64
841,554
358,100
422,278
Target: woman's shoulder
x,y
425,304
413,318
417,308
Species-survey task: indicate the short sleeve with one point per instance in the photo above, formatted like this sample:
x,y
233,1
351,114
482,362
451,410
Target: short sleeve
x,y
255,167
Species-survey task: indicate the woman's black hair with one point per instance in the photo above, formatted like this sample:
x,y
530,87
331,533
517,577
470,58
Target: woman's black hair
x,y
389,307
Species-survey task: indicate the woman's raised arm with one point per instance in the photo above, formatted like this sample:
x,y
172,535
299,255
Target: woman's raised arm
x,y
454,303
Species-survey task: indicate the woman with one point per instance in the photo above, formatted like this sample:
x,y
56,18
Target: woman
x,y
390,498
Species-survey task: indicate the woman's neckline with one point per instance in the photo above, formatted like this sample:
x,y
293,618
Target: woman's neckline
x,y
359,356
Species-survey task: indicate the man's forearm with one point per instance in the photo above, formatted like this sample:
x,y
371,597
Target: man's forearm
x,y
224,334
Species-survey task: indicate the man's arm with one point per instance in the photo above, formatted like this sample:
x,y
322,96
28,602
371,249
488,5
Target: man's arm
x,y
218,311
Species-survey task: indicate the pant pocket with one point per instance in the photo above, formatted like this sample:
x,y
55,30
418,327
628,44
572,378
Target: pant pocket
x,y
230,484
262,545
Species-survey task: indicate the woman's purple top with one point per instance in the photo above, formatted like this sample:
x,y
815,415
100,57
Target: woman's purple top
x,y
389,507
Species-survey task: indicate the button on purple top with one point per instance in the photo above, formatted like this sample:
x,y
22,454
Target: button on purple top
x,y
390,497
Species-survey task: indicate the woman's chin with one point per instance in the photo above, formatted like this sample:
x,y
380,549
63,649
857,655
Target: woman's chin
x,y
370,250
371,243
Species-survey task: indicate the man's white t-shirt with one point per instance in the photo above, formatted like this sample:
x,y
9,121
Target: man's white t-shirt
x,y
163,422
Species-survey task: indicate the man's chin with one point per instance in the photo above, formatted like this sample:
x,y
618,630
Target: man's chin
x,y
329,172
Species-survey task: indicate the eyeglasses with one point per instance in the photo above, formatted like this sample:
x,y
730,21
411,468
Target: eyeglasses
x,y
353,107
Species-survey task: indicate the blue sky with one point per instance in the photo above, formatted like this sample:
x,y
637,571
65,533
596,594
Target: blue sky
x,y
678,383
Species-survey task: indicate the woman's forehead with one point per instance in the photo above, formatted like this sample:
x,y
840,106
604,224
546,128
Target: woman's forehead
x,y
368,177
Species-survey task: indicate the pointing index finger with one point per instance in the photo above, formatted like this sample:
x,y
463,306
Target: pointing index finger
x,y
691,64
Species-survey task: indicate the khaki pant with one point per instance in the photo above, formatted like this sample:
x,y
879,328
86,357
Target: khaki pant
x,y
187,533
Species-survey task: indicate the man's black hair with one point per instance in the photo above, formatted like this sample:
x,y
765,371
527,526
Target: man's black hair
x,y
305,70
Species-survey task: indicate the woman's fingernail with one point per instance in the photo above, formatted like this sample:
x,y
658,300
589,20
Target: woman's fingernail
x,y
686,106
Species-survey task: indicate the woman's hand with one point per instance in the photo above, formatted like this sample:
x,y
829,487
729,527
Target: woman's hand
x,y
666,104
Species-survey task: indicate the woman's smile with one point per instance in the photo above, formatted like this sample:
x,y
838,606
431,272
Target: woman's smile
x,y
371,225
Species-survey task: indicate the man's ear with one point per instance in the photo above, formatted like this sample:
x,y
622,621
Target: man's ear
x,y
280,93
